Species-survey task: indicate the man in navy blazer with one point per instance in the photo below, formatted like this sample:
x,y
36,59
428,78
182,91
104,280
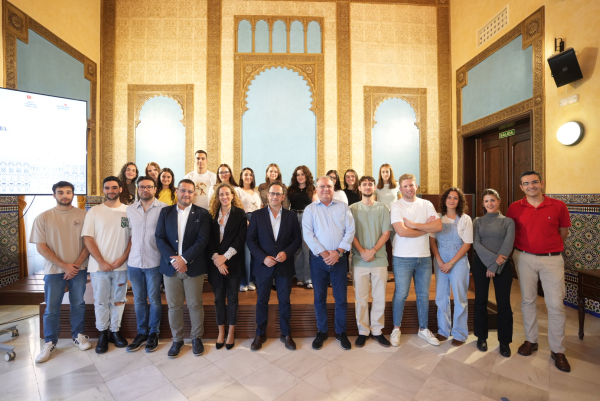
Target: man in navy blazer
x,y
273,238
182,234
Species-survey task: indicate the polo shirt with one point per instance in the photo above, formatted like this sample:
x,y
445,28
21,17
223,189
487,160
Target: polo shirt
x,y
536,228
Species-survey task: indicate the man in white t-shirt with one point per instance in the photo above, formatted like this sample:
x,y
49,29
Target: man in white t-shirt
x,y
413,219
203,179
57,235
107,236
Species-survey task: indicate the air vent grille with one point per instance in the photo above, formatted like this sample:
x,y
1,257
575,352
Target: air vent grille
x,y
490,29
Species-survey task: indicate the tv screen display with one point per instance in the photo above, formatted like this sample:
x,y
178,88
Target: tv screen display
x,y
43,140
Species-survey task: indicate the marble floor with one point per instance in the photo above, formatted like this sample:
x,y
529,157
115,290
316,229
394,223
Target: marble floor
x,y
413,371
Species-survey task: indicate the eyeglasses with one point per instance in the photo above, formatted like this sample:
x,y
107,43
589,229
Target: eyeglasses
x,y
144,188
224,172
275,194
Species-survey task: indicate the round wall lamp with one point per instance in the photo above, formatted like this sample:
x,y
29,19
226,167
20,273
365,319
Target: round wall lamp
x,y
570,133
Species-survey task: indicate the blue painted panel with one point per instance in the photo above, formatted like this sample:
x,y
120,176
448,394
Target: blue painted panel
x,y
46,69
279,126
313,37
244,37
261,38
279,37
395,139
500,81
297,37
160,136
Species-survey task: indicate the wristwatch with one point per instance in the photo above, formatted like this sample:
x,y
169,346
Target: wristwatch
x,y
340,254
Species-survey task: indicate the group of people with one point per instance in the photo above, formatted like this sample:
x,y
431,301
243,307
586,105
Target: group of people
x,y
245,237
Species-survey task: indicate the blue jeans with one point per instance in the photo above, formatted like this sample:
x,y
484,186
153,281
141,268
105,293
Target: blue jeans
x,y
321,275
145,284
54,291
404,270
457,279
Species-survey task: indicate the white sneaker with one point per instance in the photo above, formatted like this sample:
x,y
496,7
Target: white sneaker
x,y
428,335
395,338
82,342
243,288
46,351
251,287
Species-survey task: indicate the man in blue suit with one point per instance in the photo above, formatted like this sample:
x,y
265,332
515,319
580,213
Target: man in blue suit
x,y
182,235
273,238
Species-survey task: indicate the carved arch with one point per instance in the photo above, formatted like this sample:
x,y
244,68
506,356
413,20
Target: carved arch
x,y
412,101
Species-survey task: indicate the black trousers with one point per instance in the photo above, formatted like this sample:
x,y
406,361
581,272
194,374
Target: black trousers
x,y
229,312
263,292
502,286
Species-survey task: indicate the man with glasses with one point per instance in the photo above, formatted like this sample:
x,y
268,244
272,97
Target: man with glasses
x,y
203,179
142,266
182,234
541,227
273,238
328,230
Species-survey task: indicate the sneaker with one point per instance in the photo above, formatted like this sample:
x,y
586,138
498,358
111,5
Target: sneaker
x,y
251,287
428,335
343,340
47,350
395,338
82,342
309,286
243,288
152,343
300,283
137,342
360,341
319,340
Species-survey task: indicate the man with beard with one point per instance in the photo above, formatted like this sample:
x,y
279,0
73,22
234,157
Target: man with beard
x,y
57,235
106,235
182,234
203,179
142,266
369,262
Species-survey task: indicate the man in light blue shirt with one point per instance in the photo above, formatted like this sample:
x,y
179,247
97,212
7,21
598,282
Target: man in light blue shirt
x,y
328,230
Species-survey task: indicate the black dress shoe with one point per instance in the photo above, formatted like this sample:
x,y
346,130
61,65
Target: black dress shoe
x,y
319,340
360,341
230,346
197,346
117,339
505,350
342,338
175,349
288,341
152,343
482,345
137,342
384,342
219,345
258,342
102,344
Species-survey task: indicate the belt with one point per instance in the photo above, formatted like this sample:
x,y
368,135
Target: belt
x,y
541,254
297,211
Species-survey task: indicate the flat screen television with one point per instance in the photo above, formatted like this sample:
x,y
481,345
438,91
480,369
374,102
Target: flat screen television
x,y
43,140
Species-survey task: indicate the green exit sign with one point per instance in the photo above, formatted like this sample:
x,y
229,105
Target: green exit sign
x,y
506,134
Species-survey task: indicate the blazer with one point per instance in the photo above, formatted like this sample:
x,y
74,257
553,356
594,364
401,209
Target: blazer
x,y
233,237
261,242
195,240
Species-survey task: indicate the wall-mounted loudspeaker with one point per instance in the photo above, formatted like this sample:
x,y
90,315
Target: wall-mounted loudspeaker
x,y
565,68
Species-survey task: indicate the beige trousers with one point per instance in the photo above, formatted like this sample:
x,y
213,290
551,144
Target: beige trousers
x,y
179,288
370,280
551,271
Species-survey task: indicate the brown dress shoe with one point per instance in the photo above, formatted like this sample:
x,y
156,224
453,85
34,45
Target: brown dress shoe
x,y
527,348
457,343
258,342
560,361
440,337
288,341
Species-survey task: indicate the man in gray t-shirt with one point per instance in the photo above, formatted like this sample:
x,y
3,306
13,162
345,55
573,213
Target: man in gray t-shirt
x,y
369,261
57,235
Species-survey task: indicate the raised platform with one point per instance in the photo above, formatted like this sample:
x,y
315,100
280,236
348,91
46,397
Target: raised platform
x,y
26,291
303,322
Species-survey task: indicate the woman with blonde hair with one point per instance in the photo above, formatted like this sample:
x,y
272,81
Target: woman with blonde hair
x,y
273,174
226,245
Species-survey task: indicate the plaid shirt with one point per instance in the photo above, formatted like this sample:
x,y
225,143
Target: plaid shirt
x,y
144,252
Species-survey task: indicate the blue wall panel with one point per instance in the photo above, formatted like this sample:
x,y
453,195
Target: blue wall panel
x,y
244,37
46,69
261,37
297,37
313,37
503,79
279,126
160,136
395,139
279,37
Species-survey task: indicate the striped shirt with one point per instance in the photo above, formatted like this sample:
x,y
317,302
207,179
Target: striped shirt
x,y
144,252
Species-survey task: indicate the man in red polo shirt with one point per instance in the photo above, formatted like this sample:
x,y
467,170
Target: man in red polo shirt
x,y
541,226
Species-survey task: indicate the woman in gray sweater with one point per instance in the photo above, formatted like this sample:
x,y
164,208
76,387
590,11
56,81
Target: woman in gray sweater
x,y
493,238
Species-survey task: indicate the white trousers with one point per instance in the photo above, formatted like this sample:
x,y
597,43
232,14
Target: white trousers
x,y
370,280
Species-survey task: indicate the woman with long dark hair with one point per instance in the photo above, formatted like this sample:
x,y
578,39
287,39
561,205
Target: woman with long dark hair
x,y
128,176
165,186
226,245
388,190
338,193
273,173
493,238
251,201
152,170
449,248
224,174
351,186
302,193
